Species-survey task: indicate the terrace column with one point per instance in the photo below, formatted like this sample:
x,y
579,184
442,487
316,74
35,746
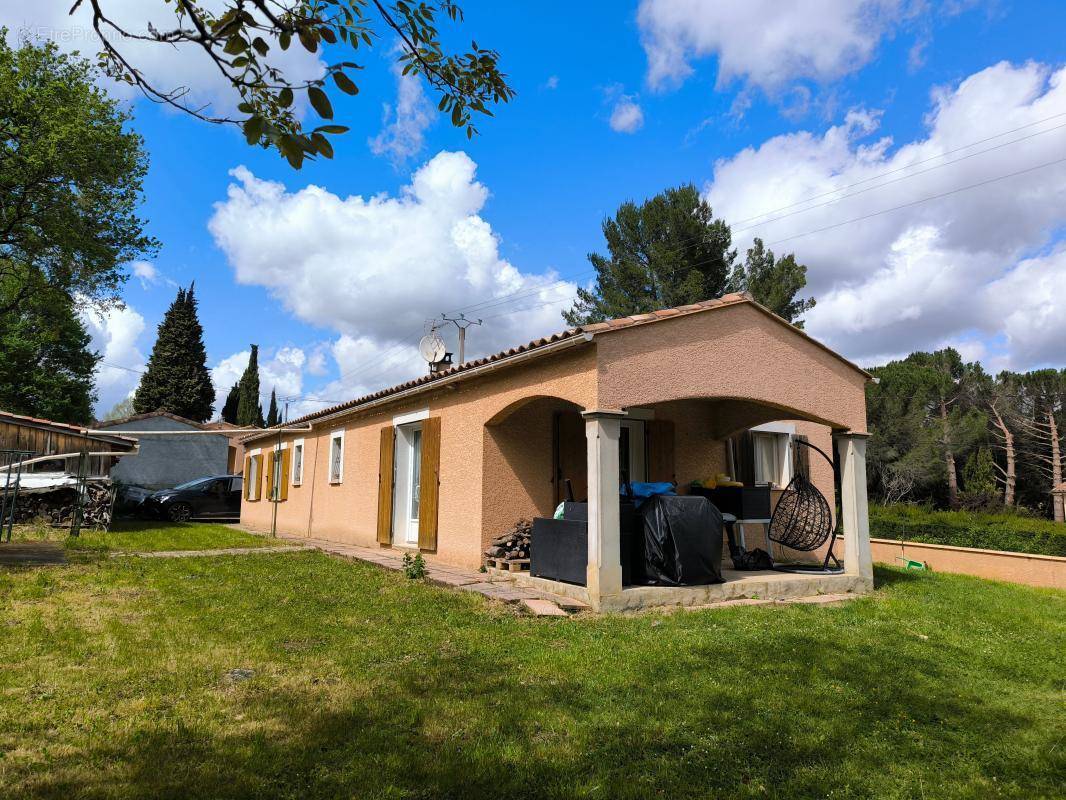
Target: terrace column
x,y
854,507
604,577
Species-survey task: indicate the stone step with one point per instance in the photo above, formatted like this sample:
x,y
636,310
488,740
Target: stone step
x,y
539,607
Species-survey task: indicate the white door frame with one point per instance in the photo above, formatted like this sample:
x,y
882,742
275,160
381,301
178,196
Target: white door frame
x,y
405,487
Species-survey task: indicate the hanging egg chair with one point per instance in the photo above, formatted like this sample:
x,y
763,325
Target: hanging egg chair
x,y
803,521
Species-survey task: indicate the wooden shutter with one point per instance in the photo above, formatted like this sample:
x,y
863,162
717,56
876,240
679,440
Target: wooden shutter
x,y
245,474
745,458
660,435
801,458
257,484
285,456
385,480
429,486
270,474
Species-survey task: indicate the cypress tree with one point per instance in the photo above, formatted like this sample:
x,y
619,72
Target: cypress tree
x,y
272,415
249,411
229,410
177,379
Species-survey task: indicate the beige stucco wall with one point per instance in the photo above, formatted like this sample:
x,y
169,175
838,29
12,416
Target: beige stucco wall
x,y
1024,568
496,429
731,352
347,512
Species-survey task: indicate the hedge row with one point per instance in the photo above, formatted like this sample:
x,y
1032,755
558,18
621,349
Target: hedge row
x,y
1012,532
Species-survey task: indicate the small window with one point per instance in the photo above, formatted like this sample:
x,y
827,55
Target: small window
x,y
237,487
336,457
297,462
771,458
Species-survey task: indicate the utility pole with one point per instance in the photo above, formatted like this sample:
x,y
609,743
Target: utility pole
x,y
462,323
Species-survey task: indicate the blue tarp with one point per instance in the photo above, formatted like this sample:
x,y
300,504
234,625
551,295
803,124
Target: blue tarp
x,y
642,491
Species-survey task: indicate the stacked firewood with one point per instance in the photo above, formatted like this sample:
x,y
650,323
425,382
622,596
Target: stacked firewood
x,y
514,543
58,506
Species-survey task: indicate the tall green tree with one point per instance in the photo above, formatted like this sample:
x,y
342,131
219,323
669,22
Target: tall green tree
x,y
233,400
242,40
249,409
774,282
668,251
177,379
70,179
46,364
671,250
925,417
272,418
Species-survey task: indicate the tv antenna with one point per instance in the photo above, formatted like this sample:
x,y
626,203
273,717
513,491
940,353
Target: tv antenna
x,y
462,323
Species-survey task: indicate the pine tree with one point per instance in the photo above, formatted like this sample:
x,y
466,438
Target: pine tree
x,y
233,399
671,250
46,363
272,415
177,379
774,282
249,410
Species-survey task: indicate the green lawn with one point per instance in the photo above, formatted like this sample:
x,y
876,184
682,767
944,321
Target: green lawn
x,y
145,537
115,681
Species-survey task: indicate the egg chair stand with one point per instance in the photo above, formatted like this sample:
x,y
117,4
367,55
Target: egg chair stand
x,y
803,521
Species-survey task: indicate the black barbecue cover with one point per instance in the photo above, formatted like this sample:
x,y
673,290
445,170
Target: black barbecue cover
x,y
682,541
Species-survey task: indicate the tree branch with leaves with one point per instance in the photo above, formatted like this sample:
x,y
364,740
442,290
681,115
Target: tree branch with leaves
x,y
240,39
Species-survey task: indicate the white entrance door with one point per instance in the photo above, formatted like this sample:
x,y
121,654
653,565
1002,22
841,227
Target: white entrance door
x,y
408,469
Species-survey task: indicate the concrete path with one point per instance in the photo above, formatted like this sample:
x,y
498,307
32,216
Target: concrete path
x,y
31,554
495,587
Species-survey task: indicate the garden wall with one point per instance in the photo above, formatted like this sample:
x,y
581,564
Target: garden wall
x,y
1024,568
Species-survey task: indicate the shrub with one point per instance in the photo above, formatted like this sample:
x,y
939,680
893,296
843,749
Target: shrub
x,y
414,567
1011,531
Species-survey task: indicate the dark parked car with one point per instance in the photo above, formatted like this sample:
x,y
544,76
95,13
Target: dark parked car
x,y
216,497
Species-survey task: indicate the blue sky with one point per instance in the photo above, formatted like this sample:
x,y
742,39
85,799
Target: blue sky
x,y
759,105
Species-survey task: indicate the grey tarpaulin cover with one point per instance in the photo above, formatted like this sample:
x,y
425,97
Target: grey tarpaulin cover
x,y
682,541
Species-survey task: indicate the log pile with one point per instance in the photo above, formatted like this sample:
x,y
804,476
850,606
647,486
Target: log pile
x,y
57,506
513,544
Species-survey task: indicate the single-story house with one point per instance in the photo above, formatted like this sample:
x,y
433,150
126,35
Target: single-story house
x,y
166,460
444,463
20,434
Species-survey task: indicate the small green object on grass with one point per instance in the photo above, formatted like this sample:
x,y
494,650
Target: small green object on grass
x,y
414,567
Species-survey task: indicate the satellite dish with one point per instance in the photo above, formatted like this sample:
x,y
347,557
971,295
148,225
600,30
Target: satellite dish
x,y
432,347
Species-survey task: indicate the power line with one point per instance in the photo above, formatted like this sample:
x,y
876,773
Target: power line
x,y
119,366
908,166
895,180
922,200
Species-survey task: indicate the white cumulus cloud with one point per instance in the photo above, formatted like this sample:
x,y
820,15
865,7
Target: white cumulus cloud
x,y
375,269
280,370
765,42
626,116
404,126
115,333
903,274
